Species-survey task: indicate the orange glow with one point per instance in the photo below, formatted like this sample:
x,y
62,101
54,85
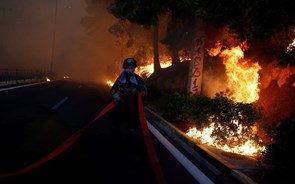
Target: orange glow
x,y
250,148
215,50
243,77
147,70
242,83
291,46
110,83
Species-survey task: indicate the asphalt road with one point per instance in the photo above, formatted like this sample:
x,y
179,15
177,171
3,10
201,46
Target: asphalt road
x,y
36,119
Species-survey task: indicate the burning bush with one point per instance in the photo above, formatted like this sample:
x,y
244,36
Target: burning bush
x,y
220,121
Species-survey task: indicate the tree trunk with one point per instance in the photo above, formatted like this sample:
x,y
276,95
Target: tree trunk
x,y
157,65
175,58
173,32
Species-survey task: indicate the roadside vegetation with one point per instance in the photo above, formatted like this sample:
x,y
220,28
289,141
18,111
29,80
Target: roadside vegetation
x,y
232,123
277,159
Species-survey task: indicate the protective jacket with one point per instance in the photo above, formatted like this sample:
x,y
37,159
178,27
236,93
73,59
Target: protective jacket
x,y
127,85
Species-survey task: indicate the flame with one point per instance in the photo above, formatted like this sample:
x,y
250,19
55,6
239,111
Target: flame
x,y
250,147
214,51
165,62
242,83
110,83
242,75
47,79
146,70
291,46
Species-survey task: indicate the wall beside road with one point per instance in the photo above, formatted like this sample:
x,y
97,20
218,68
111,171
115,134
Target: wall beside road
x,y
10,77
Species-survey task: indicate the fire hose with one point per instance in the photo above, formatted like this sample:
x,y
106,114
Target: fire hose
x,y
73,138
148,142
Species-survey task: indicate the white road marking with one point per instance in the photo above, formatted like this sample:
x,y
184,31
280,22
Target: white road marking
x,y
59,103
25,85
186,163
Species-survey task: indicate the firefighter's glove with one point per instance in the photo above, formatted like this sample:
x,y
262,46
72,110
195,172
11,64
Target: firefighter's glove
x,y
116,97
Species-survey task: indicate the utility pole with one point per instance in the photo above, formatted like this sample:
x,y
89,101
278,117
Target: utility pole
x,y
53,39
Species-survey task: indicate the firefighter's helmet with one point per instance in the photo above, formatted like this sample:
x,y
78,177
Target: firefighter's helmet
x,y
129,62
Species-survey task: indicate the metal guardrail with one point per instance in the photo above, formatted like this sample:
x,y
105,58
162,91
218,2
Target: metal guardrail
x,y
17,76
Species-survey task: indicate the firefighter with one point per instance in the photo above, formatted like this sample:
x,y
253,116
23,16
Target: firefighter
x,y
125,115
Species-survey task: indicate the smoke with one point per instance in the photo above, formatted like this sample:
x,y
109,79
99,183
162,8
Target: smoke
x,y
27,37
24,35
214,77
95,56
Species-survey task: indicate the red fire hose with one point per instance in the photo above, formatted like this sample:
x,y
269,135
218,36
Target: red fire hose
x,y
148,142
61,147
149,145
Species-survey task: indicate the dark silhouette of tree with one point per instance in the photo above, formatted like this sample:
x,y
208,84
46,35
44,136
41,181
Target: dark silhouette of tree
x,y
265,24
141,12
279,160
181,27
